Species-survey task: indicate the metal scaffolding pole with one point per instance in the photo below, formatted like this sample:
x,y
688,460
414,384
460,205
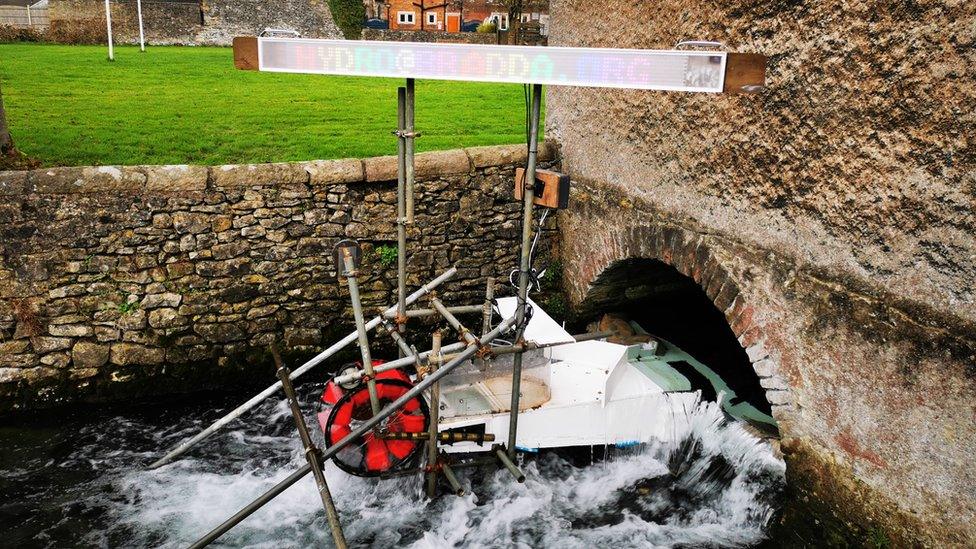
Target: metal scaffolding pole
x,y
182,447
411,134
453,321
401,221
417,313
406,350
312,453
486,308
357,311
358,432
435,398
528,197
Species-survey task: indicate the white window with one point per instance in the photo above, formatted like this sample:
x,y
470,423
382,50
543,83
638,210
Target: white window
x,y
500,20
405,17
432,18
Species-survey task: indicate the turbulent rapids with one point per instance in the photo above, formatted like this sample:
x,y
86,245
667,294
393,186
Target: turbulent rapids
x,y
711,483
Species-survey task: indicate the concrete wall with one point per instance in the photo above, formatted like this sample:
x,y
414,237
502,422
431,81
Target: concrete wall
x,y
838,208
118,281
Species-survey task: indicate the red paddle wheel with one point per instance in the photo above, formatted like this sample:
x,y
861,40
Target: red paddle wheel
x,y
345,409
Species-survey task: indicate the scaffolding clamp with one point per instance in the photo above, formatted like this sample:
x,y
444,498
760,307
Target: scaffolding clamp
x,y
406,134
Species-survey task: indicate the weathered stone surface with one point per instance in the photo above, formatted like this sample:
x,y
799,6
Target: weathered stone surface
x,y
56,360
10,375
220,333
302,336
380,168
483,157
131,320
14,347
43,345
88,179
71,330
434,163
248,175
167,299
86,354
125,354
331,172
190,223
175,178
850,198
164,318
12,183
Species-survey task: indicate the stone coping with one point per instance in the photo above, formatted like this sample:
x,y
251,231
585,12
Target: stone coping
x,y
183,178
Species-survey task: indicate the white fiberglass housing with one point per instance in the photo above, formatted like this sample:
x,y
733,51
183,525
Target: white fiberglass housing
x,y
578,394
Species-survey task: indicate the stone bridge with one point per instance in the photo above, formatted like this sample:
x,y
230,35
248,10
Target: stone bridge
x,y
827,223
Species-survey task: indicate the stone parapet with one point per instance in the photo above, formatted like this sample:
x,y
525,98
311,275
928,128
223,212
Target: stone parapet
x,y
122,280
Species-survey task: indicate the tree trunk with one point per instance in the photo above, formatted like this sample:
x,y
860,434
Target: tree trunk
x,y
6,142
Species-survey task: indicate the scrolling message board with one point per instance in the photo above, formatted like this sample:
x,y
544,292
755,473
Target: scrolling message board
x,y
688,71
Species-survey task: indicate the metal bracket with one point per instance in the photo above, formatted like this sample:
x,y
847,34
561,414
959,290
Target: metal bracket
x,y
699,44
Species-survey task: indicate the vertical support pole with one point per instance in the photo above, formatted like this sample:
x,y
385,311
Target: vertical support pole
x,y
401,209
452,479
528,196
142,36
30,23
486,310
357,311
108,24
435,409
410,129
312,454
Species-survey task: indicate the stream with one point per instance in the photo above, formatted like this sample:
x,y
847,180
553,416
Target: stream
x,y
78,479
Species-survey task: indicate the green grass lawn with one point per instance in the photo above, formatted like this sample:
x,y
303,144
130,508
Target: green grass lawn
x,y
67,105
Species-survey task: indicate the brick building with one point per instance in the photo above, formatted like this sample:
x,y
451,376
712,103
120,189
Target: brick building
x,y
452,15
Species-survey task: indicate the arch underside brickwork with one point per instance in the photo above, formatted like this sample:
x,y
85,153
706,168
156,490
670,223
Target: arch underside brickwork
x,y
596,247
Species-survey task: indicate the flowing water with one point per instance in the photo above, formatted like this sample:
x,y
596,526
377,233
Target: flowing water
x,y
79,481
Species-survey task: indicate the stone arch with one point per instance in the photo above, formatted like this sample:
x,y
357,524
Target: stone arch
x,y
598,249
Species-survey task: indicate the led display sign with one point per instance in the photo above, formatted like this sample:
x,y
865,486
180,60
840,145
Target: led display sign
x,y
689,71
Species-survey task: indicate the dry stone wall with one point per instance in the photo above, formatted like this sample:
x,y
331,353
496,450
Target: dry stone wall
x,y
212,22
118,281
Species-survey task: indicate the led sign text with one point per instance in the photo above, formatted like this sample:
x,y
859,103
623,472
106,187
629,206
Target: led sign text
x,y
690,71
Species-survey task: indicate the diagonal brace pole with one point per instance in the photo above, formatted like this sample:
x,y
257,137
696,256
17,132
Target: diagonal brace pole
x,y
312,453
357,312
365,427
182,447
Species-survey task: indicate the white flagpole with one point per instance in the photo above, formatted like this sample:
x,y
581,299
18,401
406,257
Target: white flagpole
x,y
108,24
142,38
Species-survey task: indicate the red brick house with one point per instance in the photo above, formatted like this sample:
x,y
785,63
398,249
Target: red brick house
x,y
449,15
430,15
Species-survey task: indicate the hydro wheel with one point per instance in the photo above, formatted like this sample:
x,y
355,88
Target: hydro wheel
x,y
371,455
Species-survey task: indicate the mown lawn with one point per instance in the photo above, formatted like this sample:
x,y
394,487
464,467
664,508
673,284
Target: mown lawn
x,y
67,105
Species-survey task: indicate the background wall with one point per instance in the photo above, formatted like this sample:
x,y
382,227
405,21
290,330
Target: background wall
x,y
207,22
841,201
120,281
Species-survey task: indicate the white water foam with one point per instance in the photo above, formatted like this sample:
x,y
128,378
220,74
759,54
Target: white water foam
x,y
713,484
